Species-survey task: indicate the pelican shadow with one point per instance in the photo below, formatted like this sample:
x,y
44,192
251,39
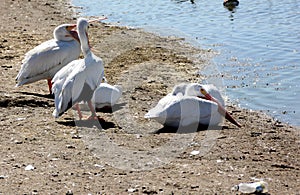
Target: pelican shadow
x,y
187,129
100,124
23,102
48,96
109,109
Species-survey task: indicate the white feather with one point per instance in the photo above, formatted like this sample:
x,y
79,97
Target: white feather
x,y
183,107
104,95
68,83
45,60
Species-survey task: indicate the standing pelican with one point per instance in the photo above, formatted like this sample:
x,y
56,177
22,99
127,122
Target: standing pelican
x,y
189,104
78,80
46,59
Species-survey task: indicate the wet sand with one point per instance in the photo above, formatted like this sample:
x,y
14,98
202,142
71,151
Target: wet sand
x,y
125,155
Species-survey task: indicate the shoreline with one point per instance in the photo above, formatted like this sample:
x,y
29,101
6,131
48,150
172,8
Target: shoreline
x,y
64,160
277,114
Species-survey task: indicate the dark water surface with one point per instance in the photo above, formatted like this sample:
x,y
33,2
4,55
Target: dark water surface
x,y
259,44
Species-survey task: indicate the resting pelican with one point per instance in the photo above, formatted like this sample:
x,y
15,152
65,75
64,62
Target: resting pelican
x,y
105,96
78,80
190,104
43,61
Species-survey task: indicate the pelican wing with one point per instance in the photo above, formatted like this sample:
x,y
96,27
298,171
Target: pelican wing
x,y
61,76
67,85
76,82
184,111
46,59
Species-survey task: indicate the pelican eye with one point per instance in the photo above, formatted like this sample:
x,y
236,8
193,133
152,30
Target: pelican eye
x,y
203,91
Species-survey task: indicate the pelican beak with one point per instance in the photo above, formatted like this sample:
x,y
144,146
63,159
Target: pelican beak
x,y
71,27
74,34
97,20
221,109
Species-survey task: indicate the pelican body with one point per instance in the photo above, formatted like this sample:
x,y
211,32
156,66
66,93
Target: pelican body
x,y
105,96
78,80
190,104
46,59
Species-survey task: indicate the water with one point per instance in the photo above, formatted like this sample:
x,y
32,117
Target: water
x,y
259,44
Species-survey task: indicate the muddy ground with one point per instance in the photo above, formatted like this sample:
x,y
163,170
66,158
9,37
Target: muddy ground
x,y
127,154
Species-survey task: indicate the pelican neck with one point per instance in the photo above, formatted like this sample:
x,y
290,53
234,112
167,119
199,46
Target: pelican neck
x,y
85,48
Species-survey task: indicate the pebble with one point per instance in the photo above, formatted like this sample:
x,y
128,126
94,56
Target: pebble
x,y
29,167
131,190
195,152
3,176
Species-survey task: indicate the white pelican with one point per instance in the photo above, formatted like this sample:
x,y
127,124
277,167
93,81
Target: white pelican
x,y
78,80
43,61
191,104
105,95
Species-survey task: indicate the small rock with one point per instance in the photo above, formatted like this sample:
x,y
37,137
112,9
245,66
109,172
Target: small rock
x,y
195,152
69,192
138,136
194,186
18,142
131,190
99,166
70,146
3,176
29,168
76,137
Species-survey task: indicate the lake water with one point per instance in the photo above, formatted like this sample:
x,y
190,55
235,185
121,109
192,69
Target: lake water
x,y
258,44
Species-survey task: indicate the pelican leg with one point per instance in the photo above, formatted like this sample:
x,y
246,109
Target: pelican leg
x,y
92,109
50,85
78,111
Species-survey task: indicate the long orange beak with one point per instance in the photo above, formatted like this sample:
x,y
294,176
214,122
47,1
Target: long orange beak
x,y
221,109
71,27
97,20
73,32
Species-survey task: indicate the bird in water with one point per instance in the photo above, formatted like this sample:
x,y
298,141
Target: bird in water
x,y
191,104
46,59
78,80
230,4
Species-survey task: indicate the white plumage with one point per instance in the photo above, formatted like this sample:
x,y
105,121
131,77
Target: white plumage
x,y
187,105
105,95
45,60
78,80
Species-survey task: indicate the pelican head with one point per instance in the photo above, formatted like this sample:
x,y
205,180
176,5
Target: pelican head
x,y
209,92
194,90
65,32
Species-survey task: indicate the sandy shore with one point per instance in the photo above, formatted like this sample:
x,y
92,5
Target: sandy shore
x,y
125,156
